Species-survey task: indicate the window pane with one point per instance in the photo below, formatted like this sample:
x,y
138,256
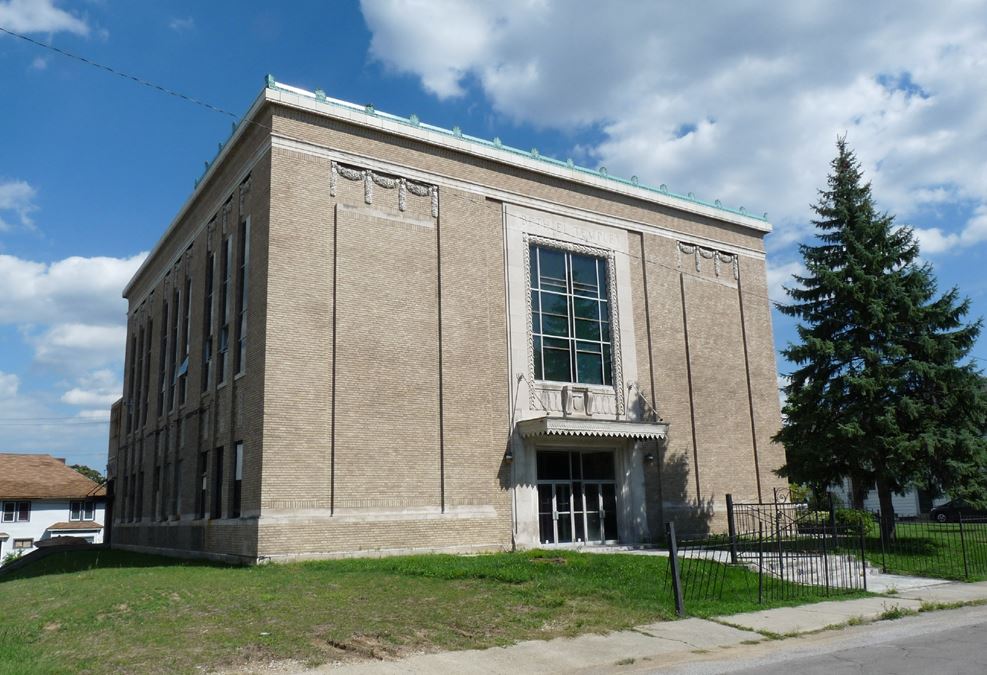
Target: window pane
x,y
557,365
90,513
554,325
591,347
536,346
551,267
590,367
8,512
587,330
24,511
607,365
605,310
75,511
553,465
598,465
533,258
587,309
584,275
553,303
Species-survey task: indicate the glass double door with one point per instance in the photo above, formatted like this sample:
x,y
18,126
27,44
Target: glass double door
x,y
577,497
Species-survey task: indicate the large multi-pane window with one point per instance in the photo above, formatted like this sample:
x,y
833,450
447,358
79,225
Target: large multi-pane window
x,y
570,317
241,324
163,359
224,307
182,373
147,374
207,322
173,352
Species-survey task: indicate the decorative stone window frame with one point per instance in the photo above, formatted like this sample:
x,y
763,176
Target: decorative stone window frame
x,y
610,256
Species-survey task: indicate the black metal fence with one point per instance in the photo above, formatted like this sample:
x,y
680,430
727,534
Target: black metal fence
x,y
773,551
950,550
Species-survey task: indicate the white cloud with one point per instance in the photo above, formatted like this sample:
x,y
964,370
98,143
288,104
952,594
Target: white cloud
x,y
933,240
98,389
40,16
182,25
17,197
9,384
39,63
780,276
742,103
75,347
73,290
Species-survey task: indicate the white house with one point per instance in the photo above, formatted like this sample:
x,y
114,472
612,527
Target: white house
x,y
42,498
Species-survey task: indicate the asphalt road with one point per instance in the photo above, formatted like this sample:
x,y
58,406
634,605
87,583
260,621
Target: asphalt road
x,y
938,643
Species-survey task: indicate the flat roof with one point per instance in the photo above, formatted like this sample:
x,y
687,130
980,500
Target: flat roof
x,y
495,150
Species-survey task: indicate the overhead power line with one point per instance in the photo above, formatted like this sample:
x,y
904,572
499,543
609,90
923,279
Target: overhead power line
x,y
120,73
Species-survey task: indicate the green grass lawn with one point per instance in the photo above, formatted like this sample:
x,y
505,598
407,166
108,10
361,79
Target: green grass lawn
x,y
100,611
932,550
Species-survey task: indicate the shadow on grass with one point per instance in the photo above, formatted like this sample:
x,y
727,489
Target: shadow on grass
x,y
70,562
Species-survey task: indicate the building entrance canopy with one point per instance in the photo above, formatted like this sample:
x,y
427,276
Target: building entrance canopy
x,y
568,426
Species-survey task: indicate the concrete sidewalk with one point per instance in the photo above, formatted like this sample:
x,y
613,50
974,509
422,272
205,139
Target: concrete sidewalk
x,y
667,641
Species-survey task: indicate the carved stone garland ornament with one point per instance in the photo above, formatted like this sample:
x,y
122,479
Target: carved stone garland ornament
x,y
371,178
709,254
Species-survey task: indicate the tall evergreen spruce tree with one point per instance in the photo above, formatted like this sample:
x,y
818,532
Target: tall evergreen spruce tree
x,y
879,394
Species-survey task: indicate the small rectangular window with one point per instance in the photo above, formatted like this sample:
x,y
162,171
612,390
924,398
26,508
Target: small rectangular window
x,y
16,512
139,497
203,476
23,544
155,492
75,510
217,484
237,490
176,492
89,511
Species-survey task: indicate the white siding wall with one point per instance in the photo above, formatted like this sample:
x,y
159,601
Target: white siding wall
x,y
44,513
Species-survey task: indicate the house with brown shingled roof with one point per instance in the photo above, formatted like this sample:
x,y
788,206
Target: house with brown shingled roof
x,y
41,498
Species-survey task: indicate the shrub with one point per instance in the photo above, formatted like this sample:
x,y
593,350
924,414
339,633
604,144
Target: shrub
x,y
858,522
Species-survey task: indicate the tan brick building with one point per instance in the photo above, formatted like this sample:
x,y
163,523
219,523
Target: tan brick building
x,y
362,334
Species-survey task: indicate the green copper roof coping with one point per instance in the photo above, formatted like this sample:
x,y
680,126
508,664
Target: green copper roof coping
x,y
413,122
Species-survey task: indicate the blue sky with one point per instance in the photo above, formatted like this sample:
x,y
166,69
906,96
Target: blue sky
x,y
740,102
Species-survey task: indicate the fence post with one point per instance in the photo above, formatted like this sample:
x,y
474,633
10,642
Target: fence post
x,y
732,528
781,555
832,518
825,559
760,563
673,561
863,557
966,567
880,531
